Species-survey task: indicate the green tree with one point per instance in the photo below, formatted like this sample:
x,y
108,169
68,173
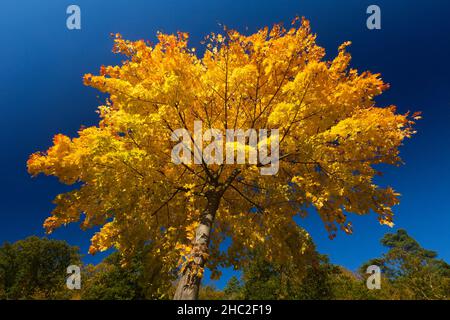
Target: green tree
x,y
233,289
317,284
210,292
347,285
36,268
317,280
116,279
263,280
268,280
109,281
412,271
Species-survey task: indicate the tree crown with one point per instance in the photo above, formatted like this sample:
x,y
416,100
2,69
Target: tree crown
x,y
331,137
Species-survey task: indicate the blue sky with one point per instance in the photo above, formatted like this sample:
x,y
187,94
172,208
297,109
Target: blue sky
x,y
41,93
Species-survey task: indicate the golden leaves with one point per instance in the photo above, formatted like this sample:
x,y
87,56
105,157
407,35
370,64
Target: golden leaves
x,y
104,239
332,135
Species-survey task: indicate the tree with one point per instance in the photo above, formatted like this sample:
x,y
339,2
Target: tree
x,y
140,183
314,279
140,278
316,283
36,268
347,285
266,278
233,289
210,292
412,271
311,277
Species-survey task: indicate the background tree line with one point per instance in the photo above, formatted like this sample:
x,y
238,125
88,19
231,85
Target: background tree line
x,y
35,268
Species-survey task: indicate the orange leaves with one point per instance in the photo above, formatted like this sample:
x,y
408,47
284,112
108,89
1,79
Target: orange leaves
x,y
52,162
104,239
51,223
332,135
417,115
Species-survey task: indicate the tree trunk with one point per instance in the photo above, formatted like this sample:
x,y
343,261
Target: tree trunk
x,y
188,285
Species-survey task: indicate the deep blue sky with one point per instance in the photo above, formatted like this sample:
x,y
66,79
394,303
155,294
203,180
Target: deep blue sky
x,y
41,94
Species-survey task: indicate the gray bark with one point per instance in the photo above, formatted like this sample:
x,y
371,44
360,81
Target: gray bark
x,y
187,289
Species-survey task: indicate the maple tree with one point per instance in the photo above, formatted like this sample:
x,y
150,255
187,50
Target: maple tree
x,y
331,137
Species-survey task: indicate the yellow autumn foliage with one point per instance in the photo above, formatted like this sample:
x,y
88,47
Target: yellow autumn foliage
x,y
332,135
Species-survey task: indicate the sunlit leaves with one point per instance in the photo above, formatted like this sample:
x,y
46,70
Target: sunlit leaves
x,y
332,134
